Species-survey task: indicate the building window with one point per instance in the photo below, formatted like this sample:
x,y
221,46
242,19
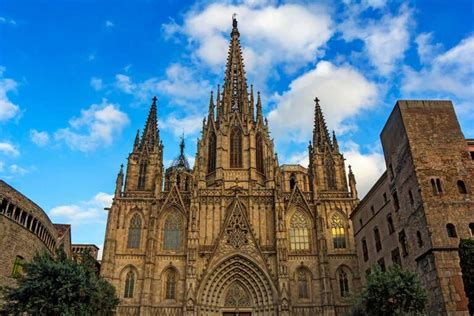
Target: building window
x,y
302,284
396,257
391,227
451,229
292,181
462,187
360,222
134,231
419,239
378,243
17,267
402,238
211,163
471,229
173,231
259,153
436,186
392,174
236,148
372,209
170,293
142,175
385,197
329,168
299,232
381,263
338,232
410,196
129,285
396,204
365,250
343,283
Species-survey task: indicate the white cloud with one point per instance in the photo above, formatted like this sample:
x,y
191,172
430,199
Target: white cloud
x,y
385,40
188,125
109,24
367,167
39,138
97,126
450,73
299,158
9,149
181,83
4,20
15,169
85,212
288,34
96,83
343,91
8,109
426,50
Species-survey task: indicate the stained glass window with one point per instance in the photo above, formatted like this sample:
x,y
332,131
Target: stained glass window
x,y
129,285
343,283
299,232
302,284
338,232
171,285
134,231
173,231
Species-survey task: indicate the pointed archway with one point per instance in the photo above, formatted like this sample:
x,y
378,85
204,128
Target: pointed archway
x,y
239,275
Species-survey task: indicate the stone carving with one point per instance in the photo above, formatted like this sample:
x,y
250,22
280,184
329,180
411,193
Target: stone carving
x,y
237,229
237,296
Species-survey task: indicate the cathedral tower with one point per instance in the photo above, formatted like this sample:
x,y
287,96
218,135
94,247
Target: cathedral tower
x,y
237,234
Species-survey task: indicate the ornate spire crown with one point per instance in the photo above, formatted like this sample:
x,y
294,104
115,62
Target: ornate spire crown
x,y
320,133
150,138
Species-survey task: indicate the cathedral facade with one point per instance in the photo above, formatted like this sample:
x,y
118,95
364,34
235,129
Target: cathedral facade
x,y
237,234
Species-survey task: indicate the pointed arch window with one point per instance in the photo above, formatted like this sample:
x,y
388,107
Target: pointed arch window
x,y
338,232
299,232
236,148
461,187
343,283
129,285
142,175
134,231
170,293
292,181
303,288
259,153
329,168
173,231
211,159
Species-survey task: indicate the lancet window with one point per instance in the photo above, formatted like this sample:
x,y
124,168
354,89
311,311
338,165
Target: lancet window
x,y
338,232
299,232
173,231
211,162
303,288
343,283
259,153
129,285
134,231
236,148
142,175
170,292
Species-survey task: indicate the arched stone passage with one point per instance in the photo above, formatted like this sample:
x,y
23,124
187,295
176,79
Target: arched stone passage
x,y
237,271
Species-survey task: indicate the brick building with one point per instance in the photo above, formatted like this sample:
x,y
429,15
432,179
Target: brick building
x,y
25,229
238,233
418,210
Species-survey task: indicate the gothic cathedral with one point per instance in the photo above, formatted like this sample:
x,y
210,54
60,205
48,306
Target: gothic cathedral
x,y
238,234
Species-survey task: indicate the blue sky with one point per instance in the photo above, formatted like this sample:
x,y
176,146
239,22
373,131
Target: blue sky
x,y
77,78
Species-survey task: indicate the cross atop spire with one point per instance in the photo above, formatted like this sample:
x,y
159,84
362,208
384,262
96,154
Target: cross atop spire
x,y
320,133
150,138
235,84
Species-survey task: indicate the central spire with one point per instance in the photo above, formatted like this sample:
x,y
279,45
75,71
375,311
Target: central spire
x,y
235,83
320,132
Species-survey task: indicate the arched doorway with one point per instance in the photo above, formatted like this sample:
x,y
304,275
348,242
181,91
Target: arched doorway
x,y
237,286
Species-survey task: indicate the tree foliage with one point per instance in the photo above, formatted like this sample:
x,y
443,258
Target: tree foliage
x,y
394,292
60,286
466,255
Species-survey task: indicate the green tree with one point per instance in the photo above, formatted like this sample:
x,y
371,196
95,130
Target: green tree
x,y
466,255
394,292
60,286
